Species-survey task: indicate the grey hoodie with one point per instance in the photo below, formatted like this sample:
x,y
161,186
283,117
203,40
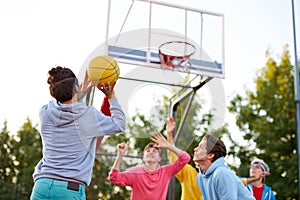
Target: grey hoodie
x,y
69,133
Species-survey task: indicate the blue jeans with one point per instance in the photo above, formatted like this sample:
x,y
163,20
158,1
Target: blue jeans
x,y
46,188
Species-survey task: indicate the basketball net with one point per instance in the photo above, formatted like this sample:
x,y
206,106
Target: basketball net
x,y
175,53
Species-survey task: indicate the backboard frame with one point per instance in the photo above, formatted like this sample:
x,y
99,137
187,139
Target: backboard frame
x,y
148,56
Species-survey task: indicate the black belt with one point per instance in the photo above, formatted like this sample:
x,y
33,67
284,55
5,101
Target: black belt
x,y
72,185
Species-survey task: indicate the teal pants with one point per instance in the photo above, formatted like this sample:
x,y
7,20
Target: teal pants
x,y
45,188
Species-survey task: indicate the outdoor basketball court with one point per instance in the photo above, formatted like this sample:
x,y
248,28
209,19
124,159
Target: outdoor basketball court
x,y
163,45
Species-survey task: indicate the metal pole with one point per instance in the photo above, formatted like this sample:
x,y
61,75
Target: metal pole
x,y
297,94
107,27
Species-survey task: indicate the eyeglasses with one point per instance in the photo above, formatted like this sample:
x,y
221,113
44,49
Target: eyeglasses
x,y
255,166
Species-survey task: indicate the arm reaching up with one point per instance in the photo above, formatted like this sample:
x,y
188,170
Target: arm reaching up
x,y
252,179
170,129
122,148
105,110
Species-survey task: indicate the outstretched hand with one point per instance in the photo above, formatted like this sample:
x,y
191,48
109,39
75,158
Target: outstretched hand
x,y
86,86
160,140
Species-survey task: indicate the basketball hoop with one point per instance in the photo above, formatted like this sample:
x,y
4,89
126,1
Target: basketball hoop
x,y
174,53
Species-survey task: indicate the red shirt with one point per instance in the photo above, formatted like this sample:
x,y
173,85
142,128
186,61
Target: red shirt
x,y
257,192
149,185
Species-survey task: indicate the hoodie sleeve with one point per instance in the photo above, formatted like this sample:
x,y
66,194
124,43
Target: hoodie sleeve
x,y
121,178
115,123
92,123
177,165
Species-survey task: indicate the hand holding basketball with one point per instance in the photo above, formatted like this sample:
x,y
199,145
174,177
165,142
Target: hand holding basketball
x,y
107,89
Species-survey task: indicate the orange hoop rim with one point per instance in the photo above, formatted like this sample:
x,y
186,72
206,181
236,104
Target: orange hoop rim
x,y
182,42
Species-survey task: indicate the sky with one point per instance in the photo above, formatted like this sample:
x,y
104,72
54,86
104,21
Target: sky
x,y
37,35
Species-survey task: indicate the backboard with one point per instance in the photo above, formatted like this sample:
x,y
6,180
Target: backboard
x,y
136,29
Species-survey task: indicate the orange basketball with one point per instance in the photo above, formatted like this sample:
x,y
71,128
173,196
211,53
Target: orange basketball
x,y
103,69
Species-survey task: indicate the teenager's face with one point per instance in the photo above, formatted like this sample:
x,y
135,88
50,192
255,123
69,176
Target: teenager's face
x,y
200,153
201,158
255,169
151,154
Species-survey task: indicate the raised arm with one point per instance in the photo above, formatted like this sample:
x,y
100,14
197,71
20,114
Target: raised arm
x,y
122,148
105,110
252,179
161,142
117,122
182,157
170,129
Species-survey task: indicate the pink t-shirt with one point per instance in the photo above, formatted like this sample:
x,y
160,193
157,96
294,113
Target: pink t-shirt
x,y
149,185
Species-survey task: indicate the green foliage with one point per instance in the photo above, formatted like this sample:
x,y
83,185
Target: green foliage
x,y
19,154
27,152
267,118
141,129
6,161
100,187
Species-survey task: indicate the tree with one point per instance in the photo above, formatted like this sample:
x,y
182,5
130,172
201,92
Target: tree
x,y
267,118
6,162
27,151
19,154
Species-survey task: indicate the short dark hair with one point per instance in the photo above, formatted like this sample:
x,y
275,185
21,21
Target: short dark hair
x,y
150,145
216,146
62,83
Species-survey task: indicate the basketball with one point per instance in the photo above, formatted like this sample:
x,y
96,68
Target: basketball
x,y
103,69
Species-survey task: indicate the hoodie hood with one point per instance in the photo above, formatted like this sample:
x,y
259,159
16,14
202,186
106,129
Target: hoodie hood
x,y
219,162
63,114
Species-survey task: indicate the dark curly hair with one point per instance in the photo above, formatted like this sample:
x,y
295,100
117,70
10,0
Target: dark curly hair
x,y
63,83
